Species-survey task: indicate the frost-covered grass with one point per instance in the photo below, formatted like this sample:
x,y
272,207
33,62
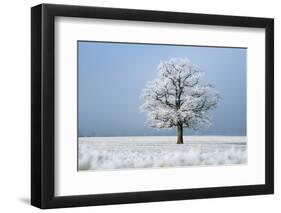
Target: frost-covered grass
x,y
100,153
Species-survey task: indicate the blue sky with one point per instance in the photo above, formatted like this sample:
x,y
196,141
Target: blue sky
x,y
112,76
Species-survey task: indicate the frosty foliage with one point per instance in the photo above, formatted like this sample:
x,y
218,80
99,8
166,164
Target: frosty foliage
x,y
178,96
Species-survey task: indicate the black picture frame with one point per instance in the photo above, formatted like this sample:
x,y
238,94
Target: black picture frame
x,y
43,102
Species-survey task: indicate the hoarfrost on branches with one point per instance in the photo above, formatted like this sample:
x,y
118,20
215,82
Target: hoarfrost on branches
x,y
178,97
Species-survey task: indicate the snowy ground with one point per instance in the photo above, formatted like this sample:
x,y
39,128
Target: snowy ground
x,y
99,153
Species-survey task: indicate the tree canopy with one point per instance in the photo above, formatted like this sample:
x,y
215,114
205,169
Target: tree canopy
x,y
178,96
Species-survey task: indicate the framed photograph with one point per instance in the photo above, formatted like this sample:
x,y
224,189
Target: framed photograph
x,y
136,106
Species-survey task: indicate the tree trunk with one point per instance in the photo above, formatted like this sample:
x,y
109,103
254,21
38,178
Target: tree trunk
x,y
180,135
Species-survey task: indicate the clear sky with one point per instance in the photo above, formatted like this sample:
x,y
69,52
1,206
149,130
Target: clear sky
x,y
112,76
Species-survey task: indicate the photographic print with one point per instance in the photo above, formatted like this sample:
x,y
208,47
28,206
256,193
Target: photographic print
x,y
158,99
154,105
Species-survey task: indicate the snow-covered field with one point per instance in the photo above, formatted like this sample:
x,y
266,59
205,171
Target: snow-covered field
x,y
100,153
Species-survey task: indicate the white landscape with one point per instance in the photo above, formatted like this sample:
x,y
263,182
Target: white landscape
x,y
110,153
